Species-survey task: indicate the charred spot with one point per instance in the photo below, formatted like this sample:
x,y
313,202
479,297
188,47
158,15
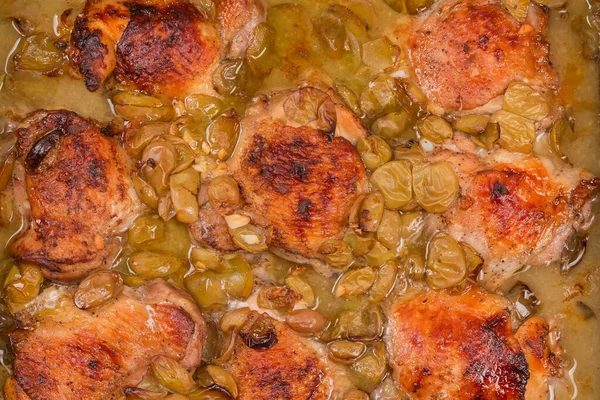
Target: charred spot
x,y
281,188
553,360
256,151
499,191
40,150
466,48
137,9
304,207
422,373
93,364
96,171
483,42
274,171
499,55
301,171
260,334
111,130
122,192
90,56
282,164
41,379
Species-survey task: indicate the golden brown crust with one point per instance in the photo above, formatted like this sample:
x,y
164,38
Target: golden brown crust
x,y
300,179
165,48
93,40
289,369
75,354
456,346
161,48
520,205
306,183
80,193
467,53
515,209
533,336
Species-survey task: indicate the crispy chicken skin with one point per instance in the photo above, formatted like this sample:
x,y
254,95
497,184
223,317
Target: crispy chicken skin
x,y
516,209
461,346
74,354
466,53
303,177
78,191
163,48
280,365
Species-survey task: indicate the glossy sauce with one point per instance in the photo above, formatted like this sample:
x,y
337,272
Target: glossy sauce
x,y
559,294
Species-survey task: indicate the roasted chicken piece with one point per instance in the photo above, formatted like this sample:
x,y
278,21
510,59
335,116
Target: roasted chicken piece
x,y
461,346
271,362
534,338
298,168
74,189
516,209
62,352
163,48
466,53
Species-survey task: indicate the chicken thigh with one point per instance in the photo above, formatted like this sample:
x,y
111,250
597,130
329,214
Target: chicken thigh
x,y
62,352
298,168
461,346
516,209
74,189
163,48
271,362
466,53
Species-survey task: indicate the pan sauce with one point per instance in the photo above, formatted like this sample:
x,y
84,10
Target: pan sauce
x,y
559,294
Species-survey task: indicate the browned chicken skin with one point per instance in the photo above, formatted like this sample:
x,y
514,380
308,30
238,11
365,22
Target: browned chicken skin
x,y
276,364
516,209
461,346
533,337
163,48
303,177
466,53
69,353
79,191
